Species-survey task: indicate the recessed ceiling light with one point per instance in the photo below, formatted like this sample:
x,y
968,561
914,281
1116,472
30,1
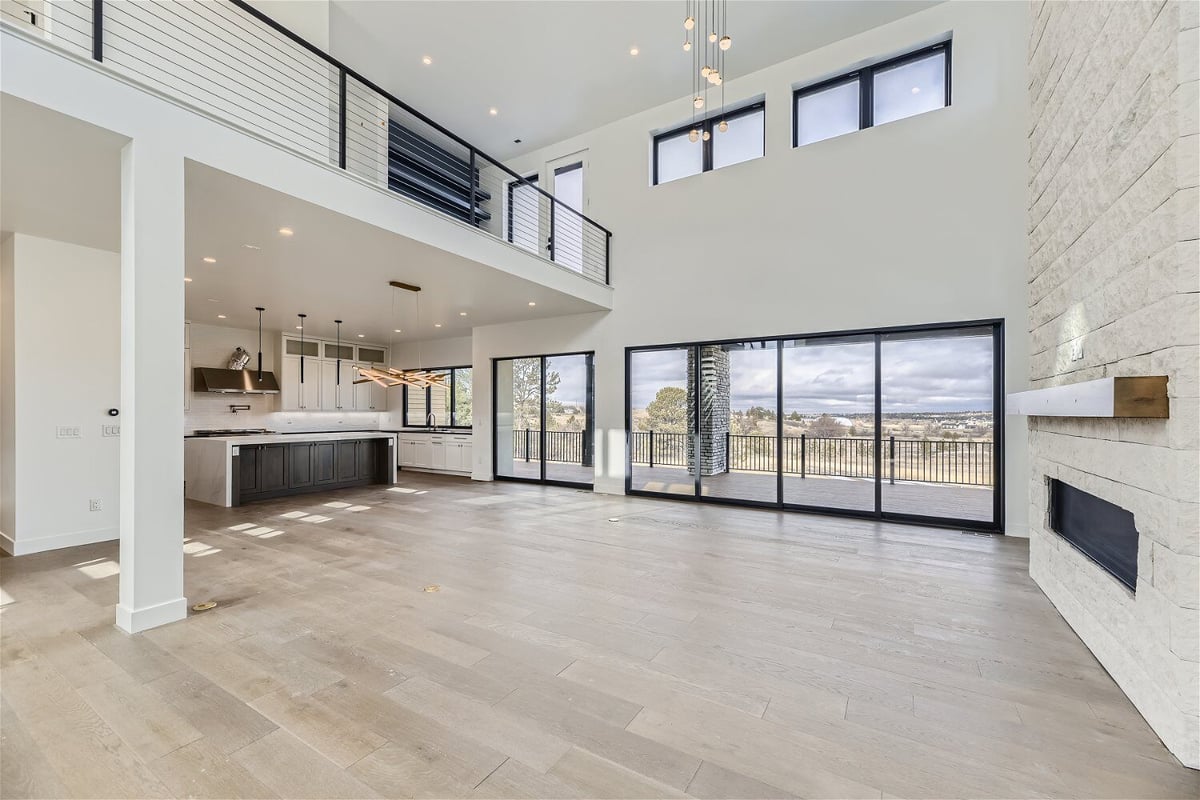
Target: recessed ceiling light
x,y
298,327
462,313
187,280
362,336
633,51
426,61
916,90
213,300
493,111
209,260
437,324
220,316
532,304
286,231
251,247
397,331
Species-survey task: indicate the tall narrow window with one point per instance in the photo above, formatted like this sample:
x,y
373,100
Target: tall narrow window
x,y
524,214
567,243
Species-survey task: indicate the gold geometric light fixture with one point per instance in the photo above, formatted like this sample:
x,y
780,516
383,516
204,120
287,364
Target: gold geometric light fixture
x,y
387,377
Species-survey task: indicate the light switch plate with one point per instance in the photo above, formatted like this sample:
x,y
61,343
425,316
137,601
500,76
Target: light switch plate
x,y
69,432
110,430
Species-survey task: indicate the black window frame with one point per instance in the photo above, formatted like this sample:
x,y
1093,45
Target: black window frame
x,y
710,126
428,391
526,180
866,86
880,513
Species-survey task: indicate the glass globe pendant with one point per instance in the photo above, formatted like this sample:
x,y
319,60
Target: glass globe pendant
x,y
712,37
687,46
693,135
689,23
707,136
726,42
698,102
705,70
724,126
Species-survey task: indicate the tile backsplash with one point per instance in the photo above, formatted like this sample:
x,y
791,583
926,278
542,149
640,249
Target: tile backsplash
x,y
210,410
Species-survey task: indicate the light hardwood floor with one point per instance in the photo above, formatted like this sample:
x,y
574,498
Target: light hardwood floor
x,y
679,650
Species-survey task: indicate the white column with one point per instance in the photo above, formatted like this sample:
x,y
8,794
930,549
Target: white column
x,y
152,229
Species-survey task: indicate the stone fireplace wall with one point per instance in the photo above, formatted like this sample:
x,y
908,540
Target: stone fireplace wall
x,y
1113,291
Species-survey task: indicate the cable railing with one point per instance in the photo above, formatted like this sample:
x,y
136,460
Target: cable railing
x,y
923,460
231,60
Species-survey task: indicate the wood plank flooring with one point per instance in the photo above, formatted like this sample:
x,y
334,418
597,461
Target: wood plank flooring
x,y
577,645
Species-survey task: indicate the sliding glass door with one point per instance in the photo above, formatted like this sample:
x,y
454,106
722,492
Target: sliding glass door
x,y
829,423
897,423
544,419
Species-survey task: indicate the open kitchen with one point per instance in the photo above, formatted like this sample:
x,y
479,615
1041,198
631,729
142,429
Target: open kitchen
x,y
320,406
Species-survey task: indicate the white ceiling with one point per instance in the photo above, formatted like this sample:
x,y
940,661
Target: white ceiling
x,y
557,68
60,179
335,267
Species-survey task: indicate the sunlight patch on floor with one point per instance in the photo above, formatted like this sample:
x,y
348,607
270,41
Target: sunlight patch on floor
x,y
337,504
100,568
294,514
317,518
243,527
198,549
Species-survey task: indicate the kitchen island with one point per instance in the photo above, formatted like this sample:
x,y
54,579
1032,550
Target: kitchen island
x,y
233,470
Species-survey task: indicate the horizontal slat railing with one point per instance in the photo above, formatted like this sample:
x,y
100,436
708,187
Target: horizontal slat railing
x,y
925,460
229,59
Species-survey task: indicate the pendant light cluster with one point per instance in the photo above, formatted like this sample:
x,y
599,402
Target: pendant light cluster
x,y
706,37
387,377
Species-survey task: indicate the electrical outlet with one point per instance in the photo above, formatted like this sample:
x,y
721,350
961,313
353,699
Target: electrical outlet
x,y
110,430
69,432
1077,350
95,504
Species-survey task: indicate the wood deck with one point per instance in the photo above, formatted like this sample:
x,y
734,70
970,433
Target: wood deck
x,y
680,650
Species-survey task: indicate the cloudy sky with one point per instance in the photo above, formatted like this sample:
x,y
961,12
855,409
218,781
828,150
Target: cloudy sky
x,y
938,374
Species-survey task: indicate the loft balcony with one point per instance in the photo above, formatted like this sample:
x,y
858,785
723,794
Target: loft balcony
x,y
232,62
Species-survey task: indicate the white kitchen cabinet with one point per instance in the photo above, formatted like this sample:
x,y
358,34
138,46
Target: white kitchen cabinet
x,y
187,379
439,452
369,396
297,396
335,396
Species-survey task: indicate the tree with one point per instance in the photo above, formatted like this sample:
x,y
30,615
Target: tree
x,y
826,426
667,412
526,394
462,397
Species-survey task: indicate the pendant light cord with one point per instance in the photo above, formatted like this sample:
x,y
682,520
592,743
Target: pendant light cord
x,y
260,311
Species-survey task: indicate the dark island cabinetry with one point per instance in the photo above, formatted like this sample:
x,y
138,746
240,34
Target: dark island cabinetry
x,y
263,471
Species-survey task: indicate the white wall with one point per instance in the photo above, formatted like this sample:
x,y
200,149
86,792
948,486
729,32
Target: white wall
x,y
61,367
921,220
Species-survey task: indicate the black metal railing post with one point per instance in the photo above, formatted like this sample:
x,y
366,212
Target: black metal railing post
x,y
474,178
892,459
607,256
802,464
651,449
527,444
98,30
341,118
550,241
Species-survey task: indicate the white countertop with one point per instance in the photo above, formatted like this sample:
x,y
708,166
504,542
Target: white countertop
x,y
277,438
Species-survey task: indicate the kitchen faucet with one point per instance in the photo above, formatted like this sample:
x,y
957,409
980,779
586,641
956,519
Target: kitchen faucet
x,y
431,420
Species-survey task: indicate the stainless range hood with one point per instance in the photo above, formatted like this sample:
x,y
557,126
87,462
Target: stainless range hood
x,y
233,381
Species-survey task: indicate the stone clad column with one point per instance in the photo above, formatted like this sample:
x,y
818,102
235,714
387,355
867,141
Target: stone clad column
x,y
152,236
714,388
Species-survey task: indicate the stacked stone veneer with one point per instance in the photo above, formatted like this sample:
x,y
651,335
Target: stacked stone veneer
x,y
1113,267
714,409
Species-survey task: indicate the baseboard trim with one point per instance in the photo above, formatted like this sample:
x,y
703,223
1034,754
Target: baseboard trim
x,y
136,620
40,544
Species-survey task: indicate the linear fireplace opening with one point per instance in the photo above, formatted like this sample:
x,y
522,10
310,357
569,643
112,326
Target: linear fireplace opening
x,y
1102,531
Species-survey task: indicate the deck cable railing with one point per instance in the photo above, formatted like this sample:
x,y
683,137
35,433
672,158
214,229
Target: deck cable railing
x,y
925,460
232,61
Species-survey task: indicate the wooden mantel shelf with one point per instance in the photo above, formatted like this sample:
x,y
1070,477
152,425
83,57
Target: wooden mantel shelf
x,y
1144,397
